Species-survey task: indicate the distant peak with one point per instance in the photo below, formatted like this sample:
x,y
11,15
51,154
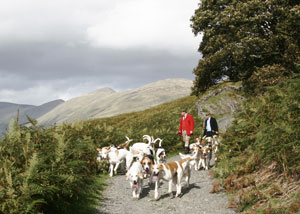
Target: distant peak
x,y
175,81
53,102
105,90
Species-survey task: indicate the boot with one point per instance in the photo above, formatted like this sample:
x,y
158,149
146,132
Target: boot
x,y
186,150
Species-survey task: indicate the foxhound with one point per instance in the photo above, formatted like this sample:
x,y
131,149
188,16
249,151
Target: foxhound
x,y
135,177
172,172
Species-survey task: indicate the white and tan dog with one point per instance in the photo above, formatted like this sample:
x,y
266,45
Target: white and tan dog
x,y
172,172
103,152
135,177
205,157
116,157
145,148
161,156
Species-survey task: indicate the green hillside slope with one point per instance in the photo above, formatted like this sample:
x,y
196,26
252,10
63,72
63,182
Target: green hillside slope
x,y
259,159
54,170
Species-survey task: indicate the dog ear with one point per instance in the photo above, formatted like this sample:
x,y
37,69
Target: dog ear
x,y
141,175
99,150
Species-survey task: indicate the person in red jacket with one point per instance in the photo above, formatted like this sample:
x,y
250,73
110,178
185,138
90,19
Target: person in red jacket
x,y
186,128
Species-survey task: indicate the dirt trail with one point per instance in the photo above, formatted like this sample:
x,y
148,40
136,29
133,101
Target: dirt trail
x,y
197,199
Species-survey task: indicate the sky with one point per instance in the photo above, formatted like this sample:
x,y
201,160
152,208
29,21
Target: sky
x,y
61,49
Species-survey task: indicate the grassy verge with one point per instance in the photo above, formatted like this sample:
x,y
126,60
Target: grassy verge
x,y
259,156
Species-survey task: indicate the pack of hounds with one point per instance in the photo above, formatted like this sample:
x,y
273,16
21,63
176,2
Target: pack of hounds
x,y
143,161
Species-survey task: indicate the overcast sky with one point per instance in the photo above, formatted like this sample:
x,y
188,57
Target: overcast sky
x,y
59,49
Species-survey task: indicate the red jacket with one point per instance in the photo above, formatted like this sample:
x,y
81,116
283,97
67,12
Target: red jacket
x,y
188,123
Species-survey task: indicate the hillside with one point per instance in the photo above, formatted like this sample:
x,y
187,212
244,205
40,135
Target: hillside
x,y
259,156
54,170
106,102
222,101
9,111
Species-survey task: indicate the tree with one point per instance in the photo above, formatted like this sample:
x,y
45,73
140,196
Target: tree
x,y
240,37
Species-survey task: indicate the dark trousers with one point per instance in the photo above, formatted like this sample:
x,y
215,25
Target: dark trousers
x,y
209,134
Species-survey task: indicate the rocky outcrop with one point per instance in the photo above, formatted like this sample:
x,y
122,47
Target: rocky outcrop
x,y
222,103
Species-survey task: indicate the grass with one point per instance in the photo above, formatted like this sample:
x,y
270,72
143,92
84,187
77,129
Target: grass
x,y
263,146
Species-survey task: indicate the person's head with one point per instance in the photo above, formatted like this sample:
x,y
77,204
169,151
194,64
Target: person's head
x,y
183,112
208,115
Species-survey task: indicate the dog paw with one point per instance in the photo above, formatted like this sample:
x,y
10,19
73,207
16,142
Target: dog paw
x,y
179,195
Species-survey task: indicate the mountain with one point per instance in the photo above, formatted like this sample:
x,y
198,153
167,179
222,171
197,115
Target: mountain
x,y
38,111
106,102
9,111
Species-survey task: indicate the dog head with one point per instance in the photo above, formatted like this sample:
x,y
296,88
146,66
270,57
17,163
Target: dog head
x,y
206,151
147,163
156,170
134,177
103,152
195,149
161,155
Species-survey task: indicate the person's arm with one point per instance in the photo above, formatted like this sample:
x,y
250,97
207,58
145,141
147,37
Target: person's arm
x,y
215,126
180,126
204,128
192,124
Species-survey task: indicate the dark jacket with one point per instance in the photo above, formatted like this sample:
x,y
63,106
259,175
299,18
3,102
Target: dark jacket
x,y
213,125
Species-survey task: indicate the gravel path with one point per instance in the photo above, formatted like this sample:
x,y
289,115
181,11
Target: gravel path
x,y
197,199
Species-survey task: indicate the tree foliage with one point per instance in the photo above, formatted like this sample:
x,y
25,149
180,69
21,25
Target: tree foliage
x,y
242,37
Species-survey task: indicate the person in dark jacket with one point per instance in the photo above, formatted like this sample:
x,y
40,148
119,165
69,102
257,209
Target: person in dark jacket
x,y
210,126
210,129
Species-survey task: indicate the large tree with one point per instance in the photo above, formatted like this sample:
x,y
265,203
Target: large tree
x,y
246,39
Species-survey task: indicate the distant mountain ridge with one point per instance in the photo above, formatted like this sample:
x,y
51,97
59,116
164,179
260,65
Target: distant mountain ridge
x,y
106,102
9,111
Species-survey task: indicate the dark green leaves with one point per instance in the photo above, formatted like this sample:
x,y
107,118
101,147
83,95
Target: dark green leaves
x,y
240,37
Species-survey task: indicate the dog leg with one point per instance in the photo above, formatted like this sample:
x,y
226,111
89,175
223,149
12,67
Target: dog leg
x,y
139,190
178,184
187,178
156,189
170,189
133,193
206,163
150,179
201,164
178,190
111,168
116,167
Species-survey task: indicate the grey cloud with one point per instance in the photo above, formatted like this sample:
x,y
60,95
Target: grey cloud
x,y
38,62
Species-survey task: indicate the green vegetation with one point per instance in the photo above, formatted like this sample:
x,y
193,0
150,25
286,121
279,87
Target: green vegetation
x,y
259,159
258,43
54,170
254,41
